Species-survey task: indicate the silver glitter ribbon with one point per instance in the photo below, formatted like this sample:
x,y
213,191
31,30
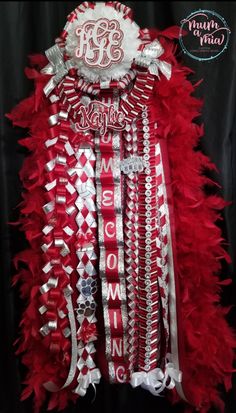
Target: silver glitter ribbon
x,y
67,293
174,356
131,165
56,67
149,58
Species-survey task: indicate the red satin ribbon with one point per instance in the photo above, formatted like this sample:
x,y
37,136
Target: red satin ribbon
x,y
110,208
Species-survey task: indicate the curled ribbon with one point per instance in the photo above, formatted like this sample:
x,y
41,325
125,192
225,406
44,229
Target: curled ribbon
x,y
149,58
156,381
48,327
56,67
92,377
60,243
51,283
51,386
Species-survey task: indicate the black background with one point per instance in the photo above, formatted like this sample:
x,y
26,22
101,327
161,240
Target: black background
x,y
27,27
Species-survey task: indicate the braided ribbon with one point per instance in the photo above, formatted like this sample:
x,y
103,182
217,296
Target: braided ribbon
x,y
156,381
56,66
149,58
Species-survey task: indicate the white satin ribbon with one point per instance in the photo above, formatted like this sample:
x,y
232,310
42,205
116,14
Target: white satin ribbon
x,y
149,57
92,377
56,66
155,380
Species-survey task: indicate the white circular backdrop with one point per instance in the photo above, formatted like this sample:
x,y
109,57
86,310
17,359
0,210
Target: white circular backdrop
x,y
129,44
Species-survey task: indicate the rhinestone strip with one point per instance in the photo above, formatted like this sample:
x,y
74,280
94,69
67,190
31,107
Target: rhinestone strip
x,y
149,304
131,247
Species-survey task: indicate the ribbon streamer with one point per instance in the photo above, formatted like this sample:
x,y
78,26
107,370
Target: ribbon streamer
x,y
50,386
56,66
92,377
155,380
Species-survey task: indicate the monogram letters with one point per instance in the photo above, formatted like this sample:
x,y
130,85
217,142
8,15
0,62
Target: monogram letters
x,y
110,225
115,319
120,374
99,43
107,198
117,347
106,165
99,117
111,261
113,292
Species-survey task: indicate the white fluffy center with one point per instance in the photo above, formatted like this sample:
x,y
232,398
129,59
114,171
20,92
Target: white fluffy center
x,y
102,43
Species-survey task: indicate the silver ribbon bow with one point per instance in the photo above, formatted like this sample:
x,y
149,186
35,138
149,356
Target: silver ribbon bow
x,y
155,380
56,67
149,58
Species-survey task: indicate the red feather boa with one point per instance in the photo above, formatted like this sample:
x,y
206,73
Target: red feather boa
x,y
206,340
